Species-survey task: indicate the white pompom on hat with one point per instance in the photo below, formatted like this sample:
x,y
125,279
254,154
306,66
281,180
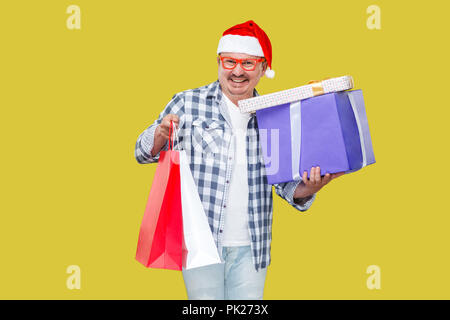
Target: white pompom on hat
x,y
250,39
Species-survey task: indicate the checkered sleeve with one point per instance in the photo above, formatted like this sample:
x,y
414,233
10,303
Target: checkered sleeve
x,y
144,143
286,191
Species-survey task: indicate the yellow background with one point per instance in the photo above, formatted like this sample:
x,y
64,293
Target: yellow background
x,y
73,103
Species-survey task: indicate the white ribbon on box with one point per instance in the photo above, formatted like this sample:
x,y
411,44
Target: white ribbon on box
x,y
296,137
358,123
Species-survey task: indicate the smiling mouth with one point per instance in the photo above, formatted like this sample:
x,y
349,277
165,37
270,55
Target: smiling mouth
x,y
238,80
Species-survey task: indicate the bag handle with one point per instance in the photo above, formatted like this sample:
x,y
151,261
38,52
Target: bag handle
x,y
173,132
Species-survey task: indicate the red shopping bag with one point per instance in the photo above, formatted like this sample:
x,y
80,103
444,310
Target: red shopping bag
x,y
160,243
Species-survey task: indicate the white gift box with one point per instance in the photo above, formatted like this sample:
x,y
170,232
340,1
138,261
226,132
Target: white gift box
x,y
286,96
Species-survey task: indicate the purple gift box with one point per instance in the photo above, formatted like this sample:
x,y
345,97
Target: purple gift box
x,y
330,131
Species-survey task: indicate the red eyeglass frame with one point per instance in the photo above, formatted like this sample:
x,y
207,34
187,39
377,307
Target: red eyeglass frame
x,y
239,61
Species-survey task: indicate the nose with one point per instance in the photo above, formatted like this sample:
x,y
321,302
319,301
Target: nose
x,y
238,71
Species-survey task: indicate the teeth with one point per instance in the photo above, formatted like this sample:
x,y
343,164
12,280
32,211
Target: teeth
x,y
235,80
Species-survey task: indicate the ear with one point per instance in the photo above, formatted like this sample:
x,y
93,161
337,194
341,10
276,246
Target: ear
x,y
218,61
264,67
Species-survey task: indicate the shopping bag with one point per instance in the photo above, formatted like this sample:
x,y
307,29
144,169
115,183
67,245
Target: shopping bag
x,y
160,243
198,238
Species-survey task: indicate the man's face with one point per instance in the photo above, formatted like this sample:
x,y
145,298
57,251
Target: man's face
x,y
238,83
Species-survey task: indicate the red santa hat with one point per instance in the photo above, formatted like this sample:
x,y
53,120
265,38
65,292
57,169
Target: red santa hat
x,y
250,39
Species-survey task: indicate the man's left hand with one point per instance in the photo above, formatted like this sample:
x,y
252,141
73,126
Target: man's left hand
x,y
315,182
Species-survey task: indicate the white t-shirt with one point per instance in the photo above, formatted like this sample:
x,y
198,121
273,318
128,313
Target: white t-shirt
x,y
236,231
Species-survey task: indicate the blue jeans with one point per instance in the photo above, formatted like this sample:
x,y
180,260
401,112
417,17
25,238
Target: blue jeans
x,y
235,279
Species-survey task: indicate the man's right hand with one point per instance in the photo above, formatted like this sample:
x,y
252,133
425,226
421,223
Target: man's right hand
x,y
164,127
162,132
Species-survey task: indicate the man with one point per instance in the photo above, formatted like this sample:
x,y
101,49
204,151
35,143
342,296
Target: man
x,y
223,148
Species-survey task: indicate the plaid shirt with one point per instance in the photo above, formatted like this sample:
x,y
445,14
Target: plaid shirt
x,y
205,133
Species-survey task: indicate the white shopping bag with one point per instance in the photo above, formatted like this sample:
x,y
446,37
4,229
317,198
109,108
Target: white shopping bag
x,y
198,239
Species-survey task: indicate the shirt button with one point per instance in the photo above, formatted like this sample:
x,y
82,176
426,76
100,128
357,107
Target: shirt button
x,y
224,205
228,181
229,158
220,231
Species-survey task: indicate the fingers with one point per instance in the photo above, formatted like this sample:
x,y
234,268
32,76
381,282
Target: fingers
x,y
335,175
314,177
170,117
327,178
174,118
316,180
305,177
165,124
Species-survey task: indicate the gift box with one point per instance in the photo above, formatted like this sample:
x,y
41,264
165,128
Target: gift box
x,y
327,130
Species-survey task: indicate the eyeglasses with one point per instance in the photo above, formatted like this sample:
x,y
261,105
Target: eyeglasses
x,y
246,64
